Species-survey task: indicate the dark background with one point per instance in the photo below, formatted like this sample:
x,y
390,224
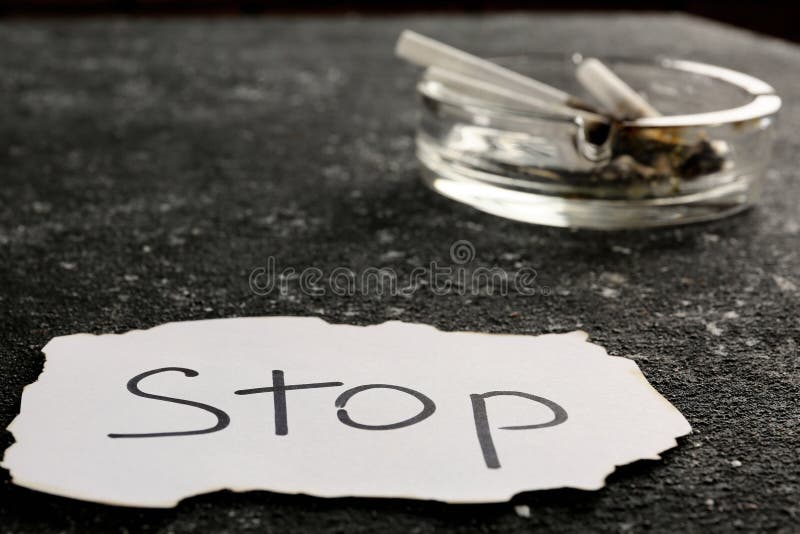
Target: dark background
x,y
774,18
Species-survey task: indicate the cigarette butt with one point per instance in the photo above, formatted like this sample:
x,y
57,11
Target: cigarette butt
x,y
428,52
501,95
616,96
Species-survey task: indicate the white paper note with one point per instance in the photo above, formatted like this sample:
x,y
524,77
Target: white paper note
x,y
297,405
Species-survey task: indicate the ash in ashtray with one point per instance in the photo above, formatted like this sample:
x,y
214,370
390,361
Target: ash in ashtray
x,y
642,156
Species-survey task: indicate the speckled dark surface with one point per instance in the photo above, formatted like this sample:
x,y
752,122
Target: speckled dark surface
x,y
147,167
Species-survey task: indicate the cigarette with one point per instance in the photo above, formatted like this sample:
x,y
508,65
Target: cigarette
x,y
617,97
501,95
428,52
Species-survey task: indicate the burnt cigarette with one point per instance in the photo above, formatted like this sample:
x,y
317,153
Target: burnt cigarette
x,y
428,52
614,95
502,96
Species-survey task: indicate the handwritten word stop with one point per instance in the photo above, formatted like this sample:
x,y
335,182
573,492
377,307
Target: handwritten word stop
x,y
298,405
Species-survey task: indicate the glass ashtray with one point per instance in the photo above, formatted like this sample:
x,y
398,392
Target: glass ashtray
x,y
704,158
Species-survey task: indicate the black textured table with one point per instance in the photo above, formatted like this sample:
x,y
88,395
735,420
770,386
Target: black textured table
x,y
149,166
